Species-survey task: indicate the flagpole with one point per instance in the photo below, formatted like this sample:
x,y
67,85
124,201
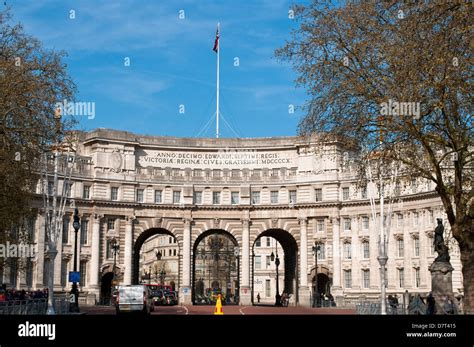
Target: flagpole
x,y
217,90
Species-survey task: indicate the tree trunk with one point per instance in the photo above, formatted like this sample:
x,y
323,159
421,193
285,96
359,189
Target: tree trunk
x,y
467,260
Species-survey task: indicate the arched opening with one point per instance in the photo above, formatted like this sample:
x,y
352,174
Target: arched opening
x,y
215,268
324,284
274,248
156,262
106,288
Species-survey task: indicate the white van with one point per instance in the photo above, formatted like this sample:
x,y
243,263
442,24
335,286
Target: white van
x,y
134,298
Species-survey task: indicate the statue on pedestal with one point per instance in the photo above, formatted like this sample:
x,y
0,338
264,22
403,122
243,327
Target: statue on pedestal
x,y
439,245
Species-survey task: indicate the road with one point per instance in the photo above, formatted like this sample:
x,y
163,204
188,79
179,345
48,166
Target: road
x,y
228,310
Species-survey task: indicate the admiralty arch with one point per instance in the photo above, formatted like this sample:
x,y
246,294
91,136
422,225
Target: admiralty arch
x,y
129,188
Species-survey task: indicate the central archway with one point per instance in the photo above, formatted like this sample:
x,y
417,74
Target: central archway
x,y
141,239
290,261
215,268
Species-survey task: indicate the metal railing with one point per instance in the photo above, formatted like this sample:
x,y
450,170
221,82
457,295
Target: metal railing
x,y
33,307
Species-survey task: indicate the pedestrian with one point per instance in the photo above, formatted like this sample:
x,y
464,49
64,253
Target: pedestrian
x,y
258,297
430,300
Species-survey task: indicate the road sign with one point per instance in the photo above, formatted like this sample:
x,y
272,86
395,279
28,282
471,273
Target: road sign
x,y
72,298
74,276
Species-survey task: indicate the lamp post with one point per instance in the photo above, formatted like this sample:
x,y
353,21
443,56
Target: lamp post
x,y
237,289
162,273
316,249
114,245
74,304
277,263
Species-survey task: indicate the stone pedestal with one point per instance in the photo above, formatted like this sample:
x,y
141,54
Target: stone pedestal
x,y
185,296
441,283
304,297
245,296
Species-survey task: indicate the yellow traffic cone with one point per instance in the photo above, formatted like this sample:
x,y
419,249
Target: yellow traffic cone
x,y
218,309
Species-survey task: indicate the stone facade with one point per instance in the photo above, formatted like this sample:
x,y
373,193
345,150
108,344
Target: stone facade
x,y
131,187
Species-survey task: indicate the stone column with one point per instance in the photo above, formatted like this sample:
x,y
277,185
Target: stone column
x,y
336,257
245,290
356,250
127,259
303,290
186,286
95,252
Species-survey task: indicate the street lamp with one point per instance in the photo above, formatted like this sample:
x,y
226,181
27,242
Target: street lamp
x,y
74,305
162,273
114,245
316,249
277,263
237,289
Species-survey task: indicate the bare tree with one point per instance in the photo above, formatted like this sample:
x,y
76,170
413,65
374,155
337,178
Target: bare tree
x,y
32,81
396,78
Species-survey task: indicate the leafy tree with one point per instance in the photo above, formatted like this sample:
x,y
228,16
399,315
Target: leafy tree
x,y
395,78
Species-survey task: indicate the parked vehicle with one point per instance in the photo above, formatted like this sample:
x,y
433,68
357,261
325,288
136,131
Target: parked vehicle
x,y
134,298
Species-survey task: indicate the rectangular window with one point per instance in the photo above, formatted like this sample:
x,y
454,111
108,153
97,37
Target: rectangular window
x,y
234,198
255,198
400,248
267,261
110,224
267,288
140,193
292,196
82,270
258,262
320,225
416,247
114,193
345,193
65,229
216,198
401,278
321,251
197,198
347,224
400,220
86,192
84,231
365,223
176,196
347,278
347,251
365,278
158,196
318,194
415,218
417,278
108,249
363,193
269,242
274,196
413,185
68,189
258,243
63,273
366,249
50,187
432,249
430,217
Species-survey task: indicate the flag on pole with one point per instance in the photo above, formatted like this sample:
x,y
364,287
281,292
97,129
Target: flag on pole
x,y
216,42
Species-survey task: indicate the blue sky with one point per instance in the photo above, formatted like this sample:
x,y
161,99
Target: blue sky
x,y
172,63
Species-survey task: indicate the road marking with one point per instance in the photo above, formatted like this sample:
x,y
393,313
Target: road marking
x,y
241,312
